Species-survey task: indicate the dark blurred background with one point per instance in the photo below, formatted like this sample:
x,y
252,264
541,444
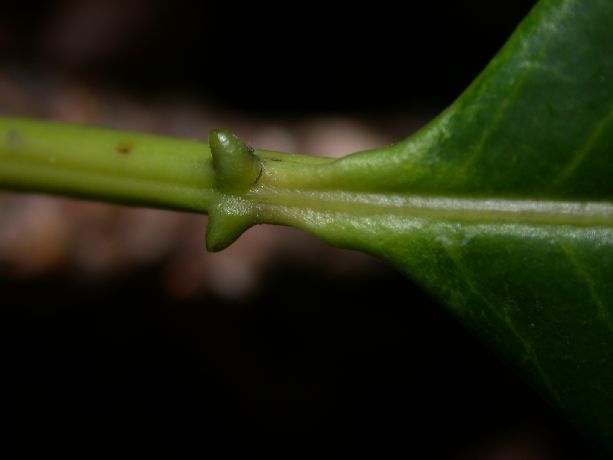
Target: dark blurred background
x,y
117,325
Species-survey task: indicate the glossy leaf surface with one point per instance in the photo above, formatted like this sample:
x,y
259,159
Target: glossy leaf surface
x,y
501,207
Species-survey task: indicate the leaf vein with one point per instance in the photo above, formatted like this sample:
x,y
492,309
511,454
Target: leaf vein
x,y
506,319
582,152
589,282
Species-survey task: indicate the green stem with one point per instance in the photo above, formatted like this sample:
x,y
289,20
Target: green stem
x,y
237,186
148,170
97,163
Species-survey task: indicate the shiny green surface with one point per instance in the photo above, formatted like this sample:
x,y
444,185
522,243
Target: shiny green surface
x,y
96,163
502,207
488,207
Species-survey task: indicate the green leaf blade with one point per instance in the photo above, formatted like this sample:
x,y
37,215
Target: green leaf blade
x,y
537,122
502,207
540,295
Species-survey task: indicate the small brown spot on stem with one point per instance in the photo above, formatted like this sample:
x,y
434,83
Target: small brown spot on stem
x,y
124,147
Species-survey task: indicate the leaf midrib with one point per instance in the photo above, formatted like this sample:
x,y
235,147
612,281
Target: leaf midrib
x,y
477,210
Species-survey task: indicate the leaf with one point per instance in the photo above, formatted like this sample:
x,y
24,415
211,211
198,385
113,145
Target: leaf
x,y
501,207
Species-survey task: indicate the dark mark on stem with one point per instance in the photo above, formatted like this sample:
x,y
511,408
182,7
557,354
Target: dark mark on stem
x,y
124,148
251,151
259,175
